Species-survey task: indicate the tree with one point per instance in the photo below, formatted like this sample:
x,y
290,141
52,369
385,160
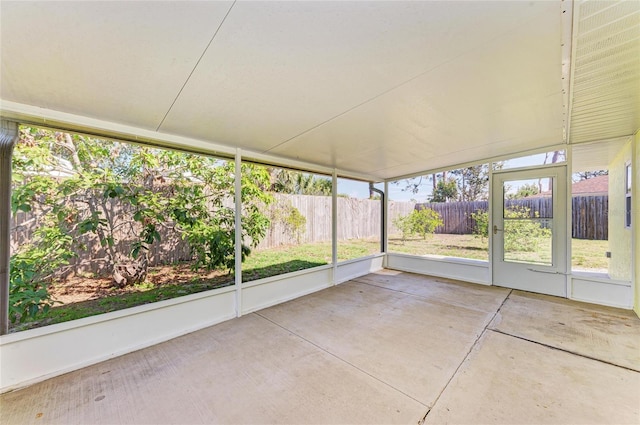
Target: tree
x,y
585,175
445,191
554,156
83,186
524,191
293,221
308,184
472,183
298,183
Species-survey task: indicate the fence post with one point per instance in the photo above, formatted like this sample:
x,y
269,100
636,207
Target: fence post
x,y
8,139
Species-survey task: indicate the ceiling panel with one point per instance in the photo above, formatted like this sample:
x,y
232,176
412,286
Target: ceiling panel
x,y
505,97
280,69
118,61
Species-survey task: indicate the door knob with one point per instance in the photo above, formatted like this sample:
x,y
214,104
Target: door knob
x,y
495,229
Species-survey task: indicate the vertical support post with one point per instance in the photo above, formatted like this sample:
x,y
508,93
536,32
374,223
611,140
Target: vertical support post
x,y
383,216
334,225
635,223
490,194
8,139
385,224
568,152
238,232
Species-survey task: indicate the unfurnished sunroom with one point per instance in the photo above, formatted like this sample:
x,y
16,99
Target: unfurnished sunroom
x,y
182,164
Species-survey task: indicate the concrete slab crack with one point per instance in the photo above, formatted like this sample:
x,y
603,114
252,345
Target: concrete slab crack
x,y
473,346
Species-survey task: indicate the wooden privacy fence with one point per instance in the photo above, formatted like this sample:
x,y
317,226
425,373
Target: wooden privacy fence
x,y
590,217
357,219
589,214
457,216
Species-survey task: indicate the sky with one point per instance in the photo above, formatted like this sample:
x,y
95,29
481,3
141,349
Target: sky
x,y
397,193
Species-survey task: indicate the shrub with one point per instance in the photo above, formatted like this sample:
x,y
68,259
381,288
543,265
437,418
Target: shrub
x,y
481,217
523,233
403,223
296,223
425,221
31,270
420,222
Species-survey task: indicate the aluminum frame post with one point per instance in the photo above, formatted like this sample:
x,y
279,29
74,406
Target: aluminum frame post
x,y
8,138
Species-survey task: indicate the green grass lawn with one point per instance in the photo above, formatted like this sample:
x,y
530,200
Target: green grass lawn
x,y
179,280
462,246
586,254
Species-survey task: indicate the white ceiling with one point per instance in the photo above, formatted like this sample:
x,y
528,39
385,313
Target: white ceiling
x,y
381,89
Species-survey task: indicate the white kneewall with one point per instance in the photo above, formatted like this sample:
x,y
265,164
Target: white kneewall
x,y
34,355
475,271
37,354
601,291
352,269
274,290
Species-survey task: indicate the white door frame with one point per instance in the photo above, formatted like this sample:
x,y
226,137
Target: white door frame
x,y
545,279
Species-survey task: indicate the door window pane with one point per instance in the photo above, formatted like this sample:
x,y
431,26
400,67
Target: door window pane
x,y
528,221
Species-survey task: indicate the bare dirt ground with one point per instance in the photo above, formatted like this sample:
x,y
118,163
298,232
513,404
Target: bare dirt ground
x,y
78,288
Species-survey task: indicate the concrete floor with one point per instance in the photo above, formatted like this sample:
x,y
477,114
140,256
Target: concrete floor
x,y
388,347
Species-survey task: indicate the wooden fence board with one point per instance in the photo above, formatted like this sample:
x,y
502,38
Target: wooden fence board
x,y
357,219
589,214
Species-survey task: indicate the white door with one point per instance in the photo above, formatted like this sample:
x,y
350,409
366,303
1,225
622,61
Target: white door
x,y
529,230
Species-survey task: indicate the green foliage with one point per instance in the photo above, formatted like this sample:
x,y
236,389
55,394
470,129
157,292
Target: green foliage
x,y
445,191
425,221
295,223
521,231
481,217
298,183
421,222
472,184
404,224
114,191
524,191
31,270
520,234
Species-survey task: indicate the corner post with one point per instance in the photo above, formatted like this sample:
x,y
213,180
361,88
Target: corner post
x,y
334,226
8,139
238,231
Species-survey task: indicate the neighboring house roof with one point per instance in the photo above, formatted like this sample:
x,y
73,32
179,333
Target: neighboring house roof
x,y
595,186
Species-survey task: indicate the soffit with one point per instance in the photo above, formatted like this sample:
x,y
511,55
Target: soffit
x,y
606,75
596,156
